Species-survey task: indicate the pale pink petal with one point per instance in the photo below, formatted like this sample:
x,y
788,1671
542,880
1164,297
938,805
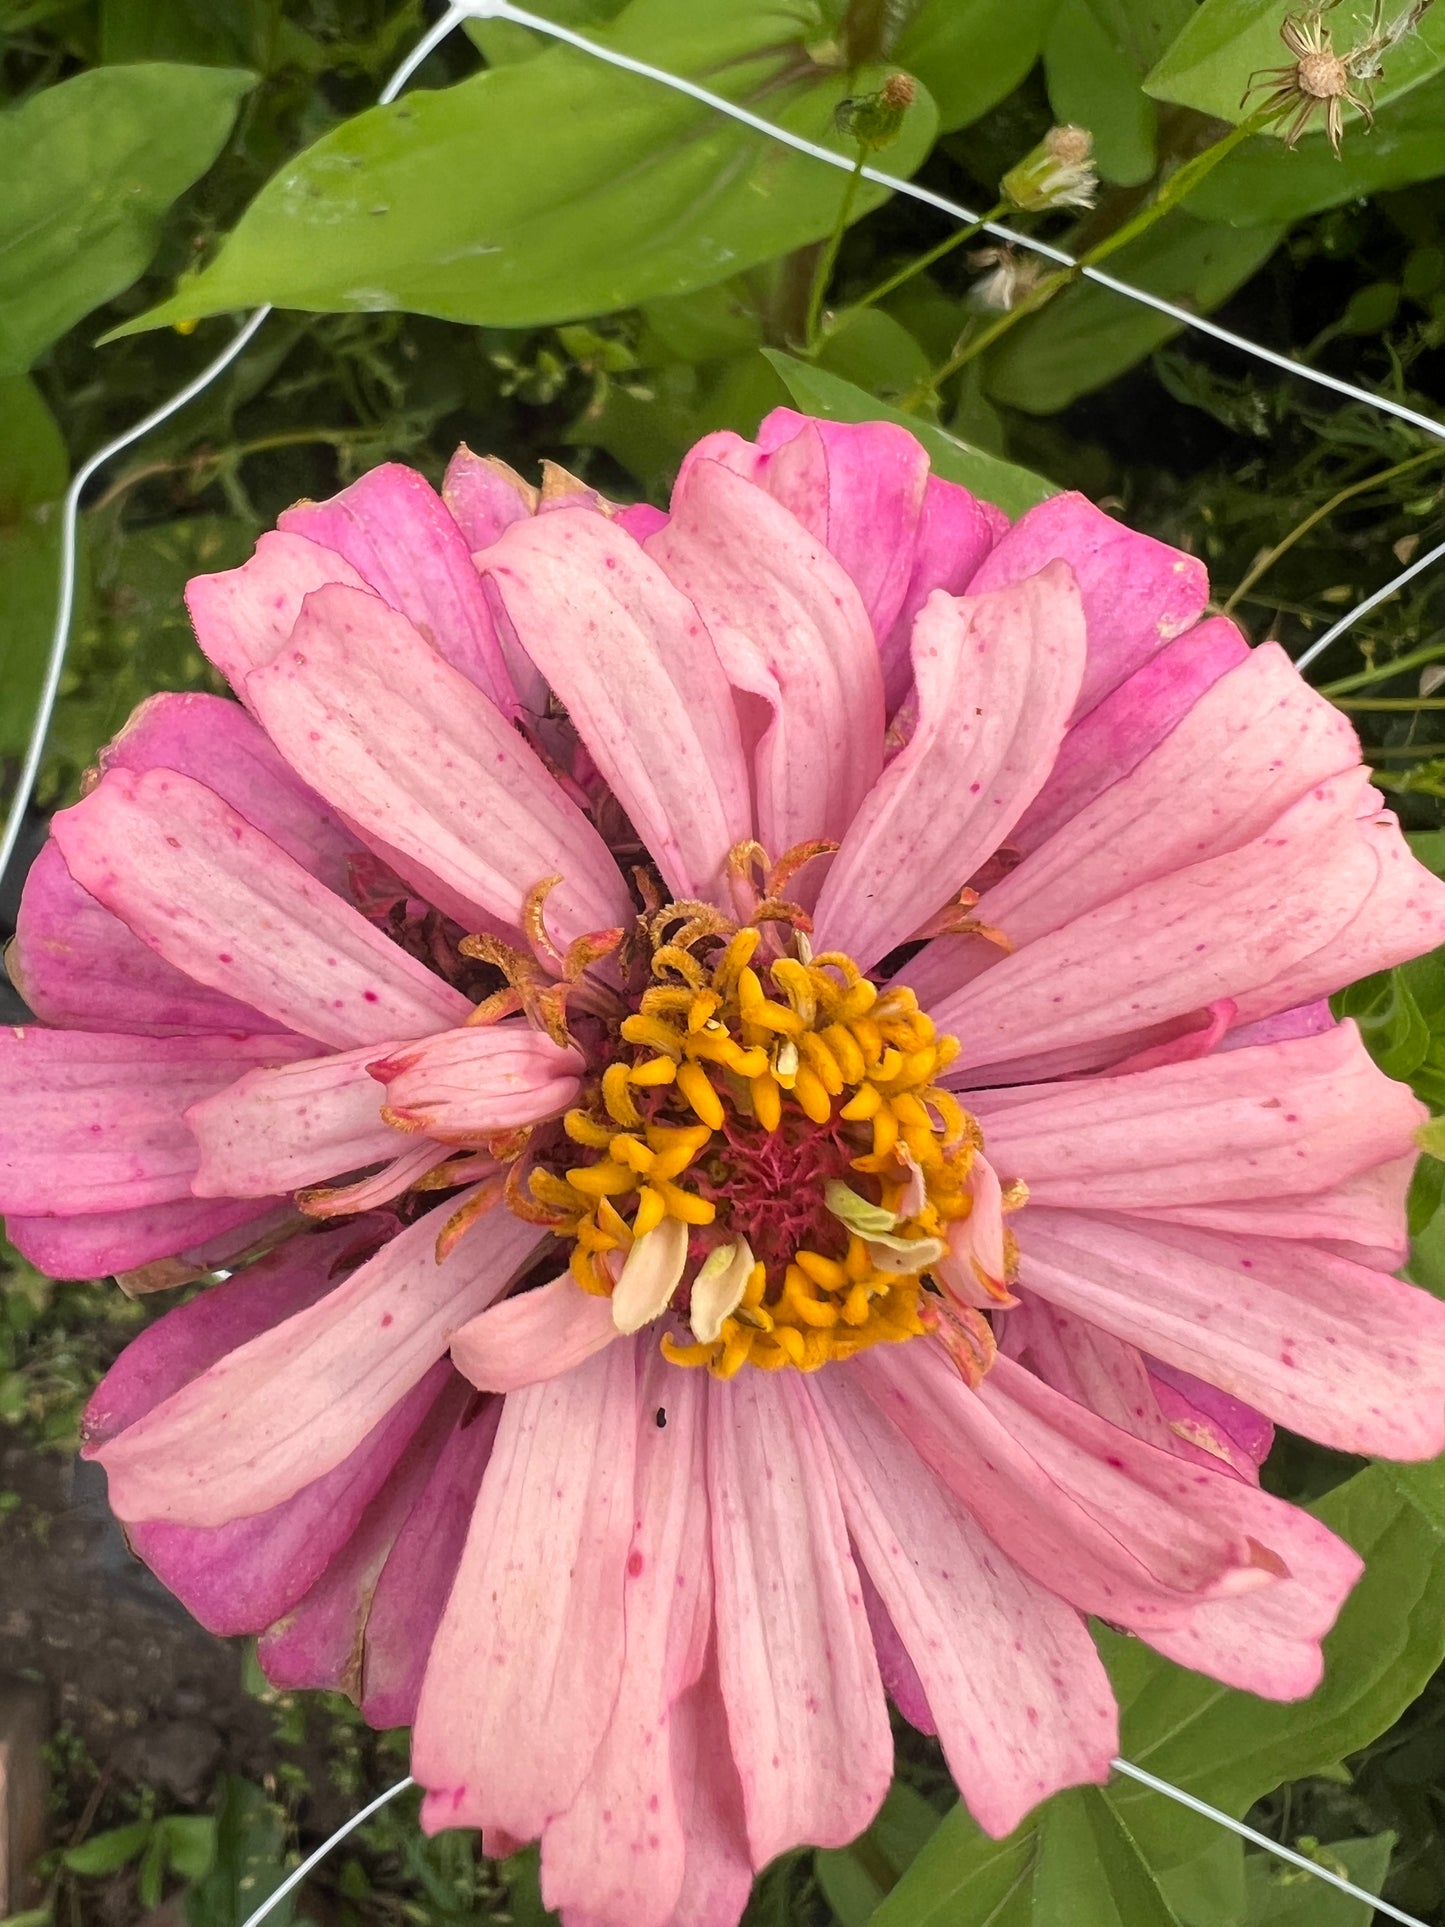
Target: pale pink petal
x,y
1253,744
1216,929
1138,593
1022,1701
790,630
321,1640
244,616
533,1337
222,902
1263,1641
525,1666
618,1851
284,1408
1121,730
216,743
640,519
78,966
395,531
1345,1354
1090,1366
483,498
93,1123
717,1872
806,1712
116,1241
275,1130
242,1576
634,665
1269,1122
1211,1421
1364,1216
467,1085
995,677
899,1674
1083,1528
1304,1020
423,761
412,1592
955,532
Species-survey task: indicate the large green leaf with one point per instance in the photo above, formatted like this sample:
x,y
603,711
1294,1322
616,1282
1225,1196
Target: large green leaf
x,y
817,392
89,167
971,53
1096,55
1088,334
557,187
33,474
1283,1896
1226,42
1263,182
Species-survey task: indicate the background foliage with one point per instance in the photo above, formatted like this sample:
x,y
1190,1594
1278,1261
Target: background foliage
x,y
556,262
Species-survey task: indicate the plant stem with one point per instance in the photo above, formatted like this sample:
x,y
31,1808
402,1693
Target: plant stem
x,y
1382,671
954,240
1271,556
1405,705
828,259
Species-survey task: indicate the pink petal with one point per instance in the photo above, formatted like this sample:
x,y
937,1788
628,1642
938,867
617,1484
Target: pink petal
x,y
275,1130
531,1643
285,1407
1021,1698
1304,1020
533,1337
618,1851
995,677
791,631
411,1594
93,1123
469,1084
955,532
1273,1121
1211,1421
321,1640
223,903
115,1241
1090,1366
1138,593
1081,1527
79,967
395,531
806,1713
244,617
637,671
241,1576
216,743
1121,730
1253,744
482,497
899,1674
1364,1216
718,1872
1345,1354
1216,929
422,760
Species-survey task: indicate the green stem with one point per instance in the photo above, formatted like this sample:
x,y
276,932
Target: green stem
x,y
828,259
1271,556
954,240
1177,188
1406,705
1382,671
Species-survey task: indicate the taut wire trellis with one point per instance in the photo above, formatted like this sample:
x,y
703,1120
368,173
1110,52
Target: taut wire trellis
x,y
441,29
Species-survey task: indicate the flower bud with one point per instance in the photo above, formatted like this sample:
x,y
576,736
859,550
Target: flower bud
x,y
1058,173
876,120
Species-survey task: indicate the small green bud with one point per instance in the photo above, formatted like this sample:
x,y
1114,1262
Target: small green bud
x,y
876,120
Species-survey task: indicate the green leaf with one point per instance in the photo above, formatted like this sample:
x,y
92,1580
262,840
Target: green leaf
x,y
213,33
1428,847
873,351
970,54
627,191
1095,56
249,1864
151,1873
1087,334
190,1843
1226,42
89,167
1262,182
105,1852
857,1878
1285,1896
817,392
33,475
1208,1891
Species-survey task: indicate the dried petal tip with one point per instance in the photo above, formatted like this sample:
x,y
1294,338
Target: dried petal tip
x,y
1058,173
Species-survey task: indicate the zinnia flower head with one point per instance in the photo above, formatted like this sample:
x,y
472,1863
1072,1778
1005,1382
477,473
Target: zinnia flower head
x,y
774,1057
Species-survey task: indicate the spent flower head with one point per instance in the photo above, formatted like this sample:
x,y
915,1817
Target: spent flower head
x,y
1059,172
1320,80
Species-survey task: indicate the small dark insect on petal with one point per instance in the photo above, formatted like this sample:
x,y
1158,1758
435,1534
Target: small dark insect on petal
x,y
661,1417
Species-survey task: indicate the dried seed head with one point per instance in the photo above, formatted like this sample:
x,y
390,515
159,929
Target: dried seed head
x,y
1059,172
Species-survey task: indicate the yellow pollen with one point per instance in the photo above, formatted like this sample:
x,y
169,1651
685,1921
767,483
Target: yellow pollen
x,y
729,1052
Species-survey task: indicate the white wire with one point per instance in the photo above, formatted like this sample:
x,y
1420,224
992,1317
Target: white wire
x,y
297,1875
1371,602
503,10
1183,1799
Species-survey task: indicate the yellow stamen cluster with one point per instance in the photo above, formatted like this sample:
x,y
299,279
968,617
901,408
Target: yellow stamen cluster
x,y
723,1055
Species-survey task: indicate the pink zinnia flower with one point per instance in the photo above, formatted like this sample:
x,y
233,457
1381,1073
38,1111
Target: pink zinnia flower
x,y
790,1035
